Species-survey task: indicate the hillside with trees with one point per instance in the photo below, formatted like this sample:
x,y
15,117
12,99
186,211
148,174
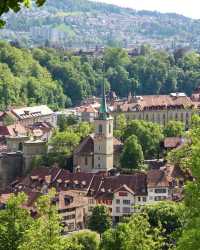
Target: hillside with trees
x,y
61,79
87,24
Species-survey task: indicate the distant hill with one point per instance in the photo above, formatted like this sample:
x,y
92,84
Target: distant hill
x,y
85,24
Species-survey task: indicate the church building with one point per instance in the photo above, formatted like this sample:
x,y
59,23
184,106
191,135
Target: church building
x,y
99,151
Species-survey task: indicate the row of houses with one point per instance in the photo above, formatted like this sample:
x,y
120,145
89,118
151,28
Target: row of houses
x,y
77,193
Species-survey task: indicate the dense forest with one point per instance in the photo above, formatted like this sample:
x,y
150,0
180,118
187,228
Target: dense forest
x,y
61,79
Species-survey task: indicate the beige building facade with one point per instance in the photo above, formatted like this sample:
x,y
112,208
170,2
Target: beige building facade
x,y
156,108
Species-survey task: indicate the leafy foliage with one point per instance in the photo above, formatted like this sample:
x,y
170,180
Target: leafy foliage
x,y
188,158
60,79
44,232
168,215
88,240
173,129
16,5
133,235
149,136
14,221
100,220
132,155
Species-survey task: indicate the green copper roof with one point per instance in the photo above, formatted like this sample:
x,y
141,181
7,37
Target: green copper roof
x,y
103,108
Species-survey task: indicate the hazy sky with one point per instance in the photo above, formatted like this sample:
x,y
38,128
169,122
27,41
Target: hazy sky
x,y
190,8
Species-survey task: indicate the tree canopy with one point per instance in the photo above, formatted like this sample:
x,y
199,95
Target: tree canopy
x,y
61,79
133,235
16,5
174,129
100,220
149,136
132,155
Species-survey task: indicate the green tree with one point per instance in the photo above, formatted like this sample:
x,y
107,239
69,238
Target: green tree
x,y
121,124
190,237
88,240
132,155
189,159
45,231
149,136
136,234
173,129
14,221
64,142
170,216
100,220
16,5
65,121
83,129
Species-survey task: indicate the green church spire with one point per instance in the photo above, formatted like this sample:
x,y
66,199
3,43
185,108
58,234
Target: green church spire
x,y
103,108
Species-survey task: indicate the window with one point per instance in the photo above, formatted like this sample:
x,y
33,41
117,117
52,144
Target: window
x,y
182,117
20,146
100,129
117,201
99,165
126,202
86,161
160,198
69,217
110,129
71,226
139,199
126,210
160,190
117,209
144,199
147,117
153,118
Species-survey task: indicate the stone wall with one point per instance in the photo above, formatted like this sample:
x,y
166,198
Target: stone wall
x,y
11,166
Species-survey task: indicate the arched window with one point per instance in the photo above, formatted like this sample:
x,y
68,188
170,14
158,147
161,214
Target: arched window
x,y
20,146
86,161
100,129
110,129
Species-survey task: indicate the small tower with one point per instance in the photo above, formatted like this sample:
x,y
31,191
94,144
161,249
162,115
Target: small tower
x,y
103,138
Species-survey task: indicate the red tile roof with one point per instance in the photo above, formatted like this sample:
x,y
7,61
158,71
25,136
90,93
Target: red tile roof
x,y
153,102
173,142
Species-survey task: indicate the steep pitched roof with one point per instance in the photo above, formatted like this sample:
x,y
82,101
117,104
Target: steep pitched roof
x,y
133,183
158,178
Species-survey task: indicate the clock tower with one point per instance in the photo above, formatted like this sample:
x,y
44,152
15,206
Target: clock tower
x,y
103,138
